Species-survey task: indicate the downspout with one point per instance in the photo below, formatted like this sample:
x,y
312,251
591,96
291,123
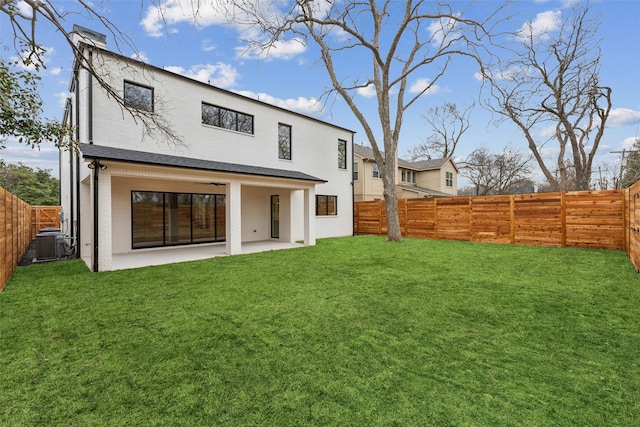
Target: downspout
x,y
96,164
353,192
77,155
96,173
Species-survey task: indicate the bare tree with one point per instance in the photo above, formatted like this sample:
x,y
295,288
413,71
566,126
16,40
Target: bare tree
x,y
551,86
396,41
25,23
448,124
501,173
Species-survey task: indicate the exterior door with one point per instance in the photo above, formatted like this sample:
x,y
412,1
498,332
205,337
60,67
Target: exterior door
x,y
275,217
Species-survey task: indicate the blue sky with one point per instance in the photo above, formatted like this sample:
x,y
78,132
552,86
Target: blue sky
x,y
292,77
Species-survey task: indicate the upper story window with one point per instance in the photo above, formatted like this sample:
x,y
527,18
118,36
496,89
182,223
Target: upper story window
x,y
449,177
284,141
376,171
355,171
342,154
408,176
227,119
138,96
326,205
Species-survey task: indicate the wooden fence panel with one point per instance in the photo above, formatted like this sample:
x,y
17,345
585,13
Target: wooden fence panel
x,y
491,219
593,219
588,219
453,219
15,233
633,224
420,218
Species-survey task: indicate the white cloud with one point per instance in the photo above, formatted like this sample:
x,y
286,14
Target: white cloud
x,y
367,91
140,56
442,30
45,59
219,74
172,12
309,106
627,143
62,98
44,158
422,84
286,49
208,45
622,117
545,23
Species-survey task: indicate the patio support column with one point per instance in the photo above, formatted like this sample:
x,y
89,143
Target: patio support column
x,y
310,216
105,225
234,218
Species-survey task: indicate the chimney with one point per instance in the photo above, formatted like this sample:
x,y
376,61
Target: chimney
x,y
85,35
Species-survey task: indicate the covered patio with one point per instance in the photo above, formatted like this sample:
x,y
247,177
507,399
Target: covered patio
x,y
161,256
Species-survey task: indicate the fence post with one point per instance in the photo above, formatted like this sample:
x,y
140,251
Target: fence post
x,y
512,215
563,219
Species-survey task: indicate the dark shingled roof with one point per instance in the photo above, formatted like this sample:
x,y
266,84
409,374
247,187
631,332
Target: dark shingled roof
x,y
130,156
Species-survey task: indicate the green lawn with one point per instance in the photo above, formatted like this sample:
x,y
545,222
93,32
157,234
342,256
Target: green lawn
x,y
353,331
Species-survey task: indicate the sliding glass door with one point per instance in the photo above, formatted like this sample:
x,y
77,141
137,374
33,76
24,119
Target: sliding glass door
x,y
166,219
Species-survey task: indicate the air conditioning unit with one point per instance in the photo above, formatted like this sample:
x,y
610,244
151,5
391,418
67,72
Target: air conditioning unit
x,y
46,245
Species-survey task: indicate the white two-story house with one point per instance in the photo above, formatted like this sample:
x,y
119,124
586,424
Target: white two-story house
x,y
244,171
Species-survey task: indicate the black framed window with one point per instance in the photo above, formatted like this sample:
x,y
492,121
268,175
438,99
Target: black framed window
x,y
214,115
326,205
138,96
342,154
284,141
167,219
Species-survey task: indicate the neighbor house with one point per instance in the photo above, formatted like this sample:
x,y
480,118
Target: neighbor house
x,y
425,178
242,171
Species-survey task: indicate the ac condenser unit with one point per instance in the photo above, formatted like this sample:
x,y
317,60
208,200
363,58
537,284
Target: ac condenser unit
x,y
46,246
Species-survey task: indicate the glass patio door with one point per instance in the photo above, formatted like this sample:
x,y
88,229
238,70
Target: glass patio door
x,y
275,217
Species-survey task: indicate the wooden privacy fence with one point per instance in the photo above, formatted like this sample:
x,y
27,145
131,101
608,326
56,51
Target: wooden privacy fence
x,y
15,233
632,219
585,219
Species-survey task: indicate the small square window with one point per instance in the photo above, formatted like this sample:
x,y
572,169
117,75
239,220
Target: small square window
x,y
138,96
326,205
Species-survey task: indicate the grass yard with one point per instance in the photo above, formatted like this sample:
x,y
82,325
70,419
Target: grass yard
x,y
353,331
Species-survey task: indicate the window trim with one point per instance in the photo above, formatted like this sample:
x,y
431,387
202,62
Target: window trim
x,y
342,145
220,118
356,172
290,151
448,179
327,197
219,198
136,107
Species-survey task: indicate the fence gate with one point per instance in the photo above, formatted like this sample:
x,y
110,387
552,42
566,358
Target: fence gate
x,y
44,217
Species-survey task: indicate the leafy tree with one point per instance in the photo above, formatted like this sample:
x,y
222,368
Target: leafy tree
x,y
551,87
21,110
36,187
396,40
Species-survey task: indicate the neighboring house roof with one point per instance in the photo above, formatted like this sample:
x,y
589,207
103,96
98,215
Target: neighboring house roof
x,y
422,165
130,156
422,190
